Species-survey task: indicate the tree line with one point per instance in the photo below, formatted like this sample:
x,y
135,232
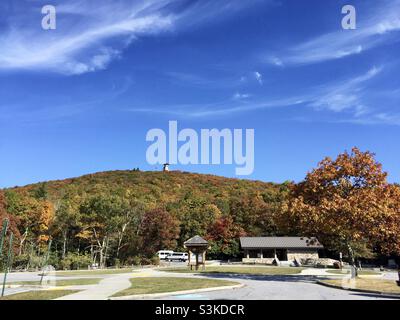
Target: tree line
x,y
125,217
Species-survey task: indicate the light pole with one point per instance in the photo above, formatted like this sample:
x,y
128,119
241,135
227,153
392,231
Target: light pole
x,y
3,235
8,265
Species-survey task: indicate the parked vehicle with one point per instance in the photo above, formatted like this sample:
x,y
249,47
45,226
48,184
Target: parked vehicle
x,y
163,254
178,256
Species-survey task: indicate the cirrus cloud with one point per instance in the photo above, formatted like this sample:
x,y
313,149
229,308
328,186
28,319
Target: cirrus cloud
x,y
90,34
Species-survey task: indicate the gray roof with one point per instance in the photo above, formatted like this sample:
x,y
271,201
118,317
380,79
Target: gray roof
x,y
279,242
196,240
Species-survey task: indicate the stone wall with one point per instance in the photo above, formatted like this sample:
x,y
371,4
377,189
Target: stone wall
x,y
302,255
258,260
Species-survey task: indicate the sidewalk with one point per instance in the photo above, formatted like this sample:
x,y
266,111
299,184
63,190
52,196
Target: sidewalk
x,y
317,272
106,287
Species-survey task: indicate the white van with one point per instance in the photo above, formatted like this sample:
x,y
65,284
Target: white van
x,y
178,256
163,254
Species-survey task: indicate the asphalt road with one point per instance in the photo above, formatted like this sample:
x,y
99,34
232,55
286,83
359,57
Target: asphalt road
x,y
277,288
272,287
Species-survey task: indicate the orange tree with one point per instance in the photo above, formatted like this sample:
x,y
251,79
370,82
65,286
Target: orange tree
x,y
223,236
34,217
158,230
348,200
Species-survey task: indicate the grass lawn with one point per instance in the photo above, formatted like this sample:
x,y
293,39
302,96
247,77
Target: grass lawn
x,y
241,270
93,272
61,283
360,272
386,286
159,285
39,295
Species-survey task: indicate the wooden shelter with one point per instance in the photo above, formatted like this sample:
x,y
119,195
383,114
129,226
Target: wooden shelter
x,y
197,247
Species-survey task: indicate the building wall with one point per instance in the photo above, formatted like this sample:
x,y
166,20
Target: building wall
x,y
301,254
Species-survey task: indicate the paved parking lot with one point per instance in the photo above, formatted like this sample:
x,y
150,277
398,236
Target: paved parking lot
x,y
275,287
268,287
279,290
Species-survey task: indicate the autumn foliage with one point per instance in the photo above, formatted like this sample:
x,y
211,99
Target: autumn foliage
x,y
347,201
127,216
158,230
12,221
223,235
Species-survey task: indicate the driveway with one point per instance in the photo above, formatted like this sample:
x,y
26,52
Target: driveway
x,y
273,287
256,287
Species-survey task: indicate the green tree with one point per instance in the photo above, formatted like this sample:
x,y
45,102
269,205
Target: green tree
x,y
67,222
195,215
96,214
40,192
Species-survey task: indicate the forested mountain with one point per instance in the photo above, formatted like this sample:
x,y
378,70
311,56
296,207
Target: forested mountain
x,y
126,216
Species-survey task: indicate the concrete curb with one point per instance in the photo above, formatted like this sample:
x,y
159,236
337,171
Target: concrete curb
x,y
382,294
377,276
15,286
173,293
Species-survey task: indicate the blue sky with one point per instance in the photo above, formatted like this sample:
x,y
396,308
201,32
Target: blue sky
x,y
81,98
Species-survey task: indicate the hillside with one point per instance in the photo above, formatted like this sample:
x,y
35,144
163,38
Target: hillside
x,y
126,216
151,185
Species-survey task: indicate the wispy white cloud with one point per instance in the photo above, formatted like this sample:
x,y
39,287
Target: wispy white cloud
x,y
251,78
87,37
240,96
344,96
221,108
225,79
382,118
381,27
258,76
275,61
90,34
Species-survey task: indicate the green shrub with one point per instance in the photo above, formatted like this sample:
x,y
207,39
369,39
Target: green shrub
x,y
145,261
54,260
155,260
27,261
21,262
117,263
135,260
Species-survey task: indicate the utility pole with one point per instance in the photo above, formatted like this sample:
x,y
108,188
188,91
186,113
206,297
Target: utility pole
x,y
8,265
3,235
